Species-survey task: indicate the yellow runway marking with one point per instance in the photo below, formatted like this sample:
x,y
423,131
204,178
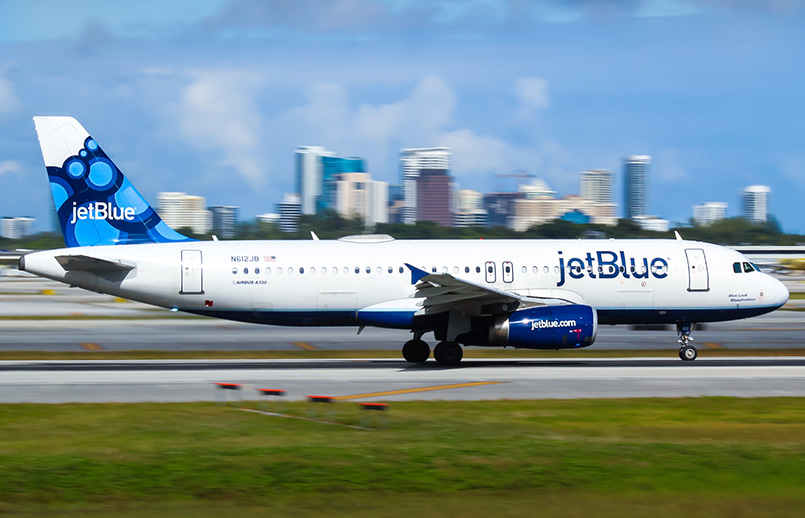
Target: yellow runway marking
x,y
420,389
712,345
305,346
91,347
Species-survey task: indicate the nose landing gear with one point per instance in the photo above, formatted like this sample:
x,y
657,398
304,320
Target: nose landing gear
x,y
687,352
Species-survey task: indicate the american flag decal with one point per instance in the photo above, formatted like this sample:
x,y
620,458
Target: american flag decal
x,y
270,258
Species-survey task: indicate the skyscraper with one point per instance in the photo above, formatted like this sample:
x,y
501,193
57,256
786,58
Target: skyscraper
x,y
756,203
289,210
597,185
635,185
309,175
412,162
331,168
434,196
224,219
179,210
710,212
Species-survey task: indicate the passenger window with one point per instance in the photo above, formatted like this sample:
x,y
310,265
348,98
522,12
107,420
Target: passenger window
x,y
312,270
390,269
401,269
368,269
290,271
535,269
524,269
748,268
256,270
477,269
455,269
433,270
466,269
234,271
268,271
245,270
736,267
546,269
279,270
357,269
346,270
301,270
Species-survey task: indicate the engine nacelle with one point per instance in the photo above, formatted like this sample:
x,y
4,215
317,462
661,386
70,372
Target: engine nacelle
x,y
546,327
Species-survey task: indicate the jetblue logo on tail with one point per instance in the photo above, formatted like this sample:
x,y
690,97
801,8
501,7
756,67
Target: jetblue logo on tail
x,y
101,210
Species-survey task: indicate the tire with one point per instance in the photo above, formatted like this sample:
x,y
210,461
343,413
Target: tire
x,y
416,351
448,353
688,353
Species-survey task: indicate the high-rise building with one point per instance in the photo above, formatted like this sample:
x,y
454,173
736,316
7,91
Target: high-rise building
x,y
597,185
709,212
180,210
756,203
434,196
331,168
16,227
289,210
224,219
635,185
470,209
412,162
309,170
358,195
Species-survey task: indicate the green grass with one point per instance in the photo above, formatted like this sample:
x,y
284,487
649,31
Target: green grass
x,y
632,457
469,353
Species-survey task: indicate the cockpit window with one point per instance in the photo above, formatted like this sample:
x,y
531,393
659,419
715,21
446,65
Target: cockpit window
x,y
736,267
748,268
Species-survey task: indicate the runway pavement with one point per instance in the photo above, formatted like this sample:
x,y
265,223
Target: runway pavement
x,y
387,380
53,317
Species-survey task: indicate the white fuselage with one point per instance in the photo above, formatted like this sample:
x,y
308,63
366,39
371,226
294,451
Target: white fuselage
x,y
328,282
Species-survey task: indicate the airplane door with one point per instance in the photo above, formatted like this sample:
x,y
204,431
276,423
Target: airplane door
x,y
508,271
698,276
192,273
491,274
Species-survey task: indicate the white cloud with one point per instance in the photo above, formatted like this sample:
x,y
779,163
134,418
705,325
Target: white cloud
x,y
10,167
9,102
532,93
219,114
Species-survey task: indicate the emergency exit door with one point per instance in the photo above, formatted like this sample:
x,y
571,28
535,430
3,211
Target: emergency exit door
x,y
192,273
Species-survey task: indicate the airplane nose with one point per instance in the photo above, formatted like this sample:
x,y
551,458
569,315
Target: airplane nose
x,y
778,292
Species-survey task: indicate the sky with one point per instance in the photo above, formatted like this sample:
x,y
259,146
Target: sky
x,y
211,97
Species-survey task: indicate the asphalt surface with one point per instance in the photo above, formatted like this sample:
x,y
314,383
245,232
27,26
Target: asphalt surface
x,y
32,317
386,380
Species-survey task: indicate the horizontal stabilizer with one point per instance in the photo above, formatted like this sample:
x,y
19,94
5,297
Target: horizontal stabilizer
x,y
91,264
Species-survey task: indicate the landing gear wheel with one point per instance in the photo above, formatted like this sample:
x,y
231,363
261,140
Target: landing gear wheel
x,y
416,351
448,353
688,353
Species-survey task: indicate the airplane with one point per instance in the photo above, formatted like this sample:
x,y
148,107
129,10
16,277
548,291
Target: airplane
x,y
535,294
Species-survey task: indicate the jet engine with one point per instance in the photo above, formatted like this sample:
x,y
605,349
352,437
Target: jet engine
x,y
543,327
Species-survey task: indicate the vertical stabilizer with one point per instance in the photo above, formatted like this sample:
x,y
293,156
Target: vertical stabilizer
x,y
95,203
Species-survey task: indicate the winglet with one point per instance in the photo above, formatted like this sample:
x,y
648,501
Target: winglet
x,y
416,273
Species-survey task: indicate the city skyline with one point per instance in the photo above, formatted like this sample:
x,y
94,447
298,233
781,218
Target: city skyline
x,y
215,98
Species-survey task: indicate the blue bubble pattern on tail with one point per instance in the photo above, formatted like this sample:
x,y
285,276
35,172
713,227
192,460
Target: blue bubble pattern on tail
x,y
97,205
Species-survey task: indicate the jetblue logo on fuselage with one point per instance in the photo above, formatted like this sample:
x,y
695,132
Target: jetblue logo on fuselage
x,y
610,265
102,210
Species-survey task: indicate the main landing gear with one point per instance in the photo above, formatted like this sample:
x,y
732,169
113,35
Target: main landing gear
x,y
445,353
687,352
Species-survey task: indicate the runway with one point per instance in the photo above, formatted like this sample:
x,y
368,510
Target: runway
x,y
392,380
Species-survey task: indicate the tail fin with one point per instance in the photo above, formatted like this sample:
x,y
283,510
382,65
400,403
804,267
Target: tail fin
x,y
95,203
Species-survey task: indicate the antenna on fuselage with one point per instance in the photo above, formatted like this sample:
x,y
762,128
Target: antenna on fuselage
x,y
678,237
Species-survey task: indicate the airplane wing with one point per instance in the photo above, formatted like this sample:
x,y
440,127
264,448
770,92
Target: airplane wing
x,y
443,292
91,264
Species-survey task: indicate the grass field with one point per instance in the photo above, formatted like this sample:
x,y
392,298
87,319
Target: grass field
x,y
632,457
